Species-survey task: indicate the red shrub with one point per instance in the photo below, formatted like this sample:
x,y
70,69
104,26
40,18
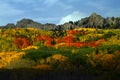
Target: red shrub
x,y
101,40
67,39
76,32
92,44
22,42
47,39
78,44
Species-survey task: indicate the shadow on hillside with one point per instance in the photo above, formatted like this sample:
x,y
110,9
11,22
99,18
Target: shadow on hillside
x,y
36,74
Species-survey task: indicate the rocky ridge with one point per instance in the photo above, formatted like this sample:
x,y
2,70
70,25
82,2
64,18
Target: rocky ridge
x,y
93,21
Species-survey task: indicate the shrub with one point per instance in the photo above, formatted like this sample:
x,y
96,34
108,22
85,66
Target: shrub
x,y
22,42
21,63
108,35
109,48
6,45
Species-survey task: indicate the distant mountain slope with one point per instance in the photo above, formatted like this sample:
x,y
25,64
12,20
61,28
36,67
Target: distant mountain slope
x,y
97,21
93,21
30,23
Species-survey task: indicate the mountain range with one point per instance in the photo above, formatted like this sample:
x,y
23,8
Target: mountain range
x,y
93,21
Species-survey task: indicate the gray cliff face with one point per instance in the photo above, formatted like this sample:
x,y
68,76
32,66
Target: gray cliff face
x,y
93,21
10,25
97,21
49,26
28,23
25,23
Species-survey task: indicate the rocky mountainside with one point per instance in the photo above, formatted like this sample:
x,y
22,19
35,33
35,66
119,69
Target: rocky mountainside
x,y
97,21
93,21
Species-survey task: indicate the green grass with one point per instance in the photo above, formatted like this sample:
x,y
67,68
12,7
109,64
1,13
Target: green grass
x,y
110,48
6,45
76,59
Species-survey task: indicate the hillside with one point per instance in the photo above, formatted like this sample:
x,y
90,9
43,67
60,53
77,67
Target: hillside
x,y
71,50
53,49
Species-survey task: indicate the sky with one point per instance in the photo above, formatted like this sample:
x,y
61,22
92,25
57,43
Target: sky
x,y
55,11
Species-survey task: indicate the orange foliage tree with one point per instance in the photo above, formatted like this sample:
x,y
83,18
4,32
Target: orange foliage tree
x,y
76,32
22,42
66,39
45,39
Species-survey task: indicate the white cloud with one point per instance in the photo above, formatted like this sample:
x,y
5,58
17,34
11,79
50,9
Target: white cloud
x,y
74,16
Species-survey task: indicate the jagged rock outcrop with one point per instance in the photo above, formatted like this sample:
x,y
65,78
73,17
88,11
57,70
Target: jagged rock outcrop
x,y
111,23
68,26
10,25
97,21
82,23
93,21
28,23
49,26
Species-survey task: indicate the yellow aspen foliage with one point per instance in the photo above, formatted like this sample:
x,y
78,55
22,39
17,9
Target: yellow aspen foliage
x,y
48,60
30,47
74,51
107,61
21,63
97,57
42,61
59,57
7,57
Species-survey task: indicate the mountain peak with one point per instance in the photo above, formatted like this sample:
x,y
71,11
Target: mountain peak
x,y
94,14
25,20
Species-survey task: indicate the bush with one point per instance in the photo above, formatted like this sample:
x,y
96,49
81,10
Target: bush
x,y
6,45
109,48
108,35
42,52
22,42
22,63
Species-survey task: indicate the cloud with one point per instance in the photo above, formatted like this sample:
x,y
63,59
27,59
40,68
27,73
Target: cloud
x,y
64,6
74,16
100,6
8,13
57,3
47,20
8,10
21,1
50,2
72,0
112,12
